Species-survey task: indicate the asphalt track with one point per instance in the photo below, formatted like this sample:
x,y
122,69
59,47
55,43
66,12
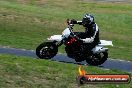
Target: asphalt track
x,y
109,64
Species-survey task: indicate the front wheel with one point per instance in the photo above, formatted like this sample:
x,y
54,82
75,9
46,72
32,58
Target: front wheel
x,y
97,59
46,50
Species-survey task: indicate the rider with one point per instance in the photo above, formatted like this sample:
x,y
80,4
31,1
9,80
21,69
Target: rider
x,y
91,35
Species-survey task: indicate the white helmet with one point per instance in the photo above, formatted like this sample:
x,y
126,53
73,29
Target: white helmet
x,y
87,19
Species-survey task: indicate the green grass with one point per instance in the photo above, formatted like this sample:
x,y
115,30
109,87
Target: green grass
x,y
25,24
23,72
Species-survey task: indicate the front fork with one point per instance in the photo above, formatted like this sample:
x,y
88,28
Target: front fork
x,y
58,43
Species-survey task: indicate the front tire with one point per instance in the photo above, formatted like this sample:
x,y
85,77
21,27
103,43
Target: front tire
x,y
46,50
97,59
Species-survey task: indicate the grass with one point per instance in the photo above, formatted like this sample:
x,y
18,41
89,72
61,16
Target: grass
x,y
25,24
24,72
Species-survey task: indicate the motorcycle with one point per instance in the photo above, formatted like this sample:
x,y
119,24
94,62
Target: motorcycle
x,y
73,47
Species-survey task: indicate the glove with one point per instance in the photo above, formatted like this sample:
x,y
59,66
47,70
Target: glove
x,y
88,40
73,21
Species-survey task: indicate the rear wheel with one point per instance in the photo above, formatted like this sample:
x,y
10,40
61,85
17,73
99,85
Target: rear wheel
x,y
46,50
97,59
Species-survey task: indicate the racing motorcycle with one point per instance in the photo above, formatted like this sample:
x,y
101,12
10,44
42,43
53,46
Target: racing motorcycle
x,y
74,48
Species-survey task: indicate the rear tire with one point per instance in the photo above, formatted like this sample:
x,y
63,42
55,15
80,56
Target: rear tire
x,y
97,59
46,50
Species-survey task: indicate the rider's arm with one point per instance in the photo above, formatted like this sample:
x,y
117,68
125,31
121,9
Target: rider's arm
x,y
91,39
79,22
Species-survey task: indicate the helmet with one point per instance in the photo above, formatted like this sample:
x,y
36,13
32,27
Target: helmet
x,y
87,20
